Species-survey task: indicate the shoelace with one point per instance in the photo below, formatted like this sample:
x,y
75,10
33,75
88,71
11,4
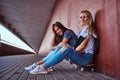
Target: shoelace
x,y
38,67
33,67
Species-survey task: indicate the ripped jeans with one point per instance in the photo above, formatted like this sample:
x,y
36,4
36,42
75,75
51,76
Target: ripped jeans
x,y
56,56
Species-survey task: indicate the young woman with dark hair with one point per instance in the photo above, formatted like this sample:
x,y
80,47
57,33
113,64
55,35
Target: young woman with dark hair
x,y
62,36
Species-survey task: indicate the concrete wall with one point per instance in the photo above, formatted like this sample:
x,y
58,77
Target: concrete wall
x,y
106,14
108,57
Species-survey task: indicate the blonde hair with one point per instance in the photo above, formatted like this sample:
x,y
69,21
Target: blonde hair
x,y
91,27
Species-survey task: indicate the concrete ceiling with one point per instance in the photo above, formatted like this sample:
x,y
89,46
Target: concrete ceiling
x,y
28,19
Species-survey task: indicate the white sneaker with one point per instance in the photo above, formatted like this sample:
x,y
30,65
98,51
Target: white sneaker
x,y
39,70
31,67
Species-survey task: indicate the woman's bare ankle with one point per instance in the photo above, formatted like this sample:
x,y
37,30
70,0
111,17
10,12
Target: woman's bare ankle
x,y
43,65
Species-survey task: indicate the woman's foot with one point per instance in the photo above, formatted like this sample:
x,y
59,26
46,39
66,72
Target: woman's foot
x,y
39,70
31,67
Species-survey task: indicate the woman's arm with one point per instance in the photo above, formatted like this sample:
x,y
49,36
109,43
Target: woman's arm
x,y
82,45
64,41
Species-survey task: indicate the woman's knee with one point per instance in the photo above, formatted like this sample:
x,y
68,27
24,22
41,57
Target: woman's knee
x,y
63,49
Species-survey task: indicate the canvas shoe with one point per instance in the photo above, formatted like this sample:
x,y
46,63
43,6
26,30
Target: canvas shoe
x,y
38,70
31,67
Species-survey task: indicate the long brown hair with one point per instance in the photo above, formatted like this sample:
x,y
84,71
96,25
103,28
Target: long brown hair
x,y
59,25
58,38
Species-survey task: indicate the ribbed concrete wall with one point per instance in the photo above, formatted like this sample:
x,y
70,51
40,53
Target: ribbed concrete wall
x,y
108,57
106,14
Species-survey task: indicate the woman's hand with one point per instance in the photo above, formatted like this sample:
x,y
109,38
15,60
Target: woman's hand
x,y
53,47
62,44
82,45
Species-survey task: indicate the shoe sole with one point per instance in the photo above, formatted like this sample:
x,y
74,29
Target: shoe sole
x,y
28,69
39,73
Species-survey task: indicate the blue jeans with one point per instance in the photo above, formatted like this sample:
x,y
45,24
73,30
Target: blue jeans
x,y
56,56
52,53
79,58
